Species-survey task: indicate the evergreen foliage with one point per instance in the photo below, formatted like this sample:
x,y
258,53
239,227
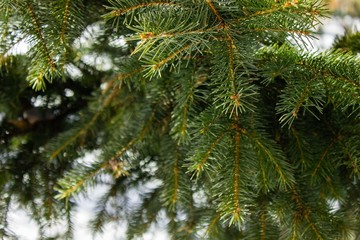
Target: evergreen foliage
x,y
212,116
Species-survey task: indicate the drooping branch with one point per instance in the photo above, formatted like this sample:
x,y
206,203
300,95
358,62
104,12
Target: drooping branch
x,y
237,209
87,126
64,24
37,26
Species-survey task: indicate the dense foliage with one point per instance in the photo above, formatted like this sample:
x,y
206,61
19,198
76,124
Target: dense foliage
x,y
211,115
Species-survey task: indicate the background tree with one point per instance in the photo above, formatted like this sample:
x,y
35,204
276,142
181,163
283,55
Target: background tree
x,y
210,114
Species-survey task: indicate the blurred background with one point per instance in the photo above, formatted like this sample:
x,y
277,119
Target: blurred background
x,y
344,16
344,7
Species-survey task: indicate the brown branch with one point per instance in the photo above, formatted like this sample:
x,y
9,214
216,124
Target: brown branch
x,y
212,224
300,102
344,79
162,62
136,139
322,158
305,212
237,168
37,26
73,188
124,76
176,177
150,35
84,129
263,222
293,131
212,7
208,152
64,22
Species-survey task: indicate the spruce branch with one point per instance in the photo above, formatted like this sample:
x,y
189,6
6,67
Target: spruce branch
x,y
174,197
69,234
50,66
65,20
311,10
280,30
78,179
173,192
263,223
299,145
214,10
83,130
328,75
139,137
348,42
236,212
103,213
294,98
304,212
154,67
201,158
171,34
214,87
352,154
323,157
211,227
7,48
188,97
121,77
275,156
120,8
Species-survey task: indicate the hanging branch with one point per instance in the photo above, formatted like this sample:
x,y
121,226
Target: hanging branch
x,y
74,181
87,126
213,9
174,197
40,36
64,23
236,213
84,129
140,136
305,213
200,166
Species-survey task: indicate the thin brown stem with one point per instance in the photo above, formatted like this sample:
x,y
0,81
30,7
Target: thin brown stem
x,y
39,33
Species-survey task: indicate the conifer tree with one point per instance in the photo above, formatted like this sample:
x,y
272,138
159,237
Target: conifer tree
x,y
212,115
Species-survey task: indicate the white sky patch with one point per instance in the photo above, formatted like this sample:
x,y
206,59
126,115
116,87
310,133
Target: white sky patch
x,y
333,27
22,225
104,85
327,33
38,101
89,157
117,42
19,48
73,71
2,116
89,35
100,62
68,92
157,231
